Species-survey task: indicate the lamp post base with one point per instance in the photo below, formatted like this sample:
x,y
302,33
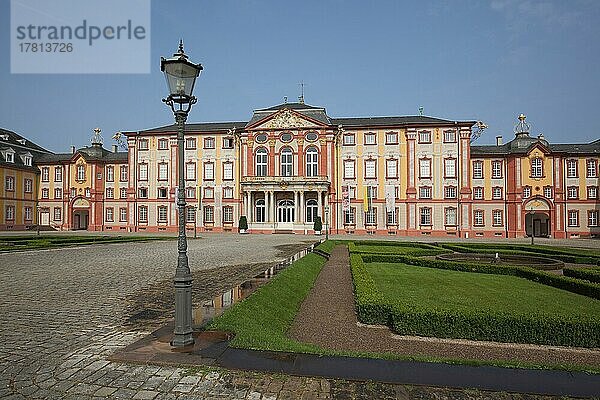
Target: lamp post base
x,y
182,335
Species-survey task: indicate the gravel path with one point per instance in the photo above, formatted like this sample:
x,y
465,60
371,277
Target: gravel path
x,y
327,318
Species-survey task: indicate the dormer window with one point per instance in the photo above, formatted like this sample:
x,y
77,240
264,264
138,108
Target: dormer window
x,y
22,141
4,137
27,159
10,157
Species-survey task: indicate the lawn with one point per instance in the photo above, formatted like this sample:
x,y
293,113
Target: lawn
x,y
421,287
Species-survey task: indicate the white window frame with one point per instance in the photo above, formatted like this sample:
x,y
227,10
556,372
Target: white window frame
x,y
370,169
261,162
312,161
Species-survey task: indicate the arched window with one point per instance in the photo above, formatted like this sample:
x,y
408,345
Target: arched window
x,y
312,210
286,162
260,210
312,162
261,162
285,211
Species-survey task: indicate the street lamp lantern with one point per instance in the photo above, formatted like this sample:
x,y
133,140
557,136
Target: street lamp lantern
x,y
181,75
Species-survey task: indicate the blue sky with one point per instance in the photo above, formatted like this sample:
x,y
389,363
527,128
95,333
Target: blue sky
x,y
475,60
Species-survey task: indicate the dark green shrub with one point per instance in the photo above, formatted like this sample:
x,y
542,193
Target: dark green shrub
x,y
589,274
243,224
318,225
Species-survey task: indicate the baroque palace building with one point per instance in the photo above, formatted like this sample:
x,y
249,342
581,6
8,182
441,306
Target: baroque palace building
x,y
292,163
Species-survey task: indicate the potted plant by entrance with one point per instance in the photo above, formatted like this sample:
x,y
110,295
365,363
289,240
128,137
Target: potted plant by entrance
x,y
243,225
318,226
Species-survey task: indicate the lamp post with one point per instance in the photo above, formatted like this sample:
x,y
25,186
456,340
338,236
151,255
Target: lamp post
x,y
532,213
181,75
326,222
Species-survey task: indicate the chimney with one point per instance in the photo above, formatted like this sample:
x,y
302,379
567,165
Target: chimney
x,y
498,140
72,149
115,148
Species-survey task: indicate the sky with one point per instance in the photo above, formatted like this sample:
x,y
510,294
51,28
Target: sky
x,y
459,60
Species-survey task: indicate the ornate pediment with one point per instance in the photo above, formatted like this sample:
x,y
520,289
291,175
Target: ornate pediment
x,y
287,119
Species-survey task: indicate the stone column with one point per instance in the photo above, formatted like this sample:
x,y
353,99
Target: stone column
x,y
296,201
321,203
301,212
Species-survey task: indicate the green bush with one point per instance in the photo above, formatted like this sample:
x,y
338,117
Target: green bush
x,y
588,274
243,224
370,305
318,225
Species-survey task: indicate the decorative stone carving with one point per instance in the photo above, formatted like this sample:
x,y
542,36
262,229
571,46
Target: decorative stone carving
x,y
286,119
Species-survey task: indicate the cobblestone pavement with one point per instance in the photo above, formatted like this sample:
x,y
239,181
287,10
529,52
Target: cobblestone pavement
x,y
63,311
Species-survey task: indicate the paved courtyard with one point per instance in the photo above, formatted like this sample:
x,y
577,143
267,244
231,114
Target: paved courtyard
x,y
63,311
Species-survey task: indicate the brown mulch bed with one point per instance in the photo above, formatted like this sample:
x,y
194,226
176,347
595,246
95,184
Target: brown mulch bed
x,y
327,318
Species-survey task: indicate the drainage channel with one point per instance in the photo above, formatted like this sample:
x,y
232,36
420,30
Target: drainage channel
x,y
215,307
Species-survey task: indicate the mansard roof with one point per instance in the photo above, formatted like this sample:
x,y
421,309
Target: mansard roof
x,y
316,113
19,146
89,153
390,121
522,145
195,127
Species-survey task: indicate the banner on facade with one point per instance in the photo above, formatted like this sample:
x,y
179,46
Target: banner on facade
x,y
390,197
346,198
368,200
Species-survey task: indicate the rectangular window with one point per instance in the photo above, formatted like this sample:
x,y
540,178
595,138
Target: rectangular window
x,y
370,138
478,218
163,144
123,193
450,168
349,169
143,172
163,193
370,169
228,192
450,192
190,143
81,172
592,168
143,193
28,185
371,216
571,168
477,169
10,157
143,144
572,192
10,183
227,171
28,213
45,193
391,168
425,192
190,193
123,173
227,214
143,214
496,169
209,171
548,192
592,192
110,193
349,139
372,192
110,173
163,171
228,143
450,216
58,174
425,168
209,193
526,192
392,217
497,193
350,216
425,216
109,214
209,143
45,174
209,214
161,213
450,136
87,192
593,217
537,169
58,193
497,218
573,218
57,214
190,215
190,171
424,137
73,192
478,193
122,214
391,138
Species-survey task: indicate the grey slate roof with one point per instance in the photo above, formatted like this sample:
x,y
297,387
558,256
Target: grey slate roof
x,y
315,113
522,145
388,121
89,153
20,146
198,127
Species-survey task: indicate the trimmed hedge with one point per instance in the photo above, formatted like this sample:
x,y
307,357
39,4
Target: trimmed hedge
x,y
588,274
560,282
372,308
567,255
